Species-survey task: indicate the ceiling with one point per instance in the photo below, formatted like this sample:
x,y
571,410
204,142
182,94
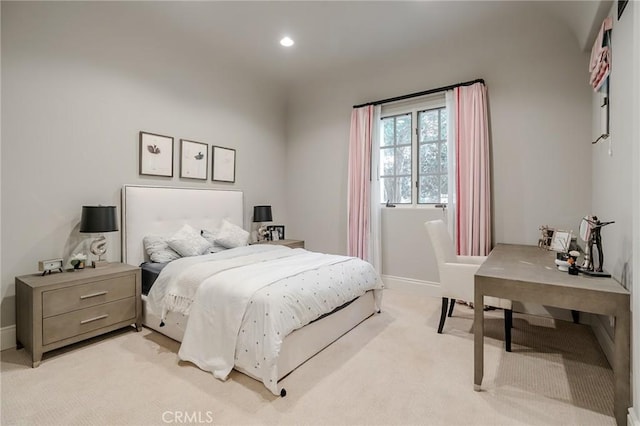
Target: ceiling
x,y
334,33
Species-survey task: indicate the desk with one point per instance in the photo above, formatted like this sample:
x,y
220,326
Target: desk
x,y
528,274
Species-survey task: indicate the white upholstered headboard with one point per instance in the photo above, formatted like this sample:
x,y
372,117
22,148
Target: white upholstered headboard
x,y
162,210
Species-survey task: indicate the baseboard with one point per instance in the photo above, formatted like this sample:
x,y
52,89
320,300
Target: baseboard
x,y
7,337
428,288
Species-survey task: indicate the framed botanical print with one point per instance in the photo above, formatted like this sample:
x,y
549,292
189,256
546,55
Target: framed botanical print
x,y
223,164
156,154
193,159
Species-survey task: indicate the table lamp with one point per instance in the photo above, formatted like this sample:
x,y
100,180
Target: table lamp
x,y
96,220
262,214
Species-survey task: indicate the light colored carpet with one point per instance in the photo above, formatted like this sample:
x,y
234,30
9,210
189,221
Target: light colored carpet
x,y
391,369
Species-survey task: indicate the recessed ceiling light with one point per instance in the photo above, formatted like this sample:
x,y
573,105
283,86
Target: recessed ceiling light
x,y
286,42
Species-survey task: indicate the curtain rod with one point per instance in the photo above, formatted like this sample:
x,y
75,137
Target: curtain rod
x,y
426,92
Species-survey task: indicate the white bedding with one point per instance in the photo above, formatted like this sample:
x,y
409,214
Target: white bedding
x,y
250,298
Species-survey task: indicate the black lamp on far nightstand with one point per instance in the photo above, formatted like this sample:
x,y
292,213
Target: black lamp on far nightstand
x,y
96,220
262,214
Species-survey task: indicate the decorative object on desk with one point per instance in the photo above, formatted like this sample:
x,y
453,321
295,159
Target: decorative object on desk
x,y
274,235
78,260
46,266
560,241
545,239
99,219
262,214
279,229
156,155
223,164
563,265
590,232
573,254
193,159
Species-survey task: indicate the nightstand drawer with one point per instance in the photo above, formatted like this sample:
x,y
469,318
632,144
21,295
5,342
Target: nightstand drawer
x,y
69,299
77,322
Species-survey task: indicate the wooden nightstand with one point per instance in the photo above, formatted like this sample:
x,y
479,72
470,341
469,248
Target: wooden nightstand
x,y
288,243
61,308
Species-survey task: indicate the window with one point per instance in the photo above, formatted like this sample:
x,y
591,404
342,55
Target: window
x,y
414,154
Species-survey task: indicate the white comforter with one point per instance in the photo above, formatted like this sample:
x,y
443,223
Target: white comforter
x,y
243,302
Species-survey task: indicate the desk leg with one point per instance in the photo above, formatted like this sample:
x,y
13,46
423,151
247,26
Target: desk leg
x,y
621,368
478,339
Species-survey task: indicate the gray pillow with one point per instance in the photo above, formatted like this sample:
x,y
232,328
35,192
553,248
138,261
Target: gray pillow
x,y
211,237
188,242
158,249
230,235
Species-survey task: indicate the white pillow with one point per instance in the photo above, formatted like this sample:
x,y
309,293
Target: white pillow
x,y
158,249
230,235
211,237
188,242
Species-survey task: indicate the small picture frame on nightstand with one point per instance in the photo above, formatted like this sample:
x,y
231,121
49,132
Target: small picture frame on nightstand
x,y
278,230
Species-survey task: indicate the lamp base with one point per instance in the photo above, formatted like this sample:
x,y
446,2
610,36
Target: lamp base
x,y
99,263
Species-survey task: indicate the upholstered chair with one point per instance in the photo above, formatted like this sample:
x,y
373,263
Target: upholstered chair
x,y
457,277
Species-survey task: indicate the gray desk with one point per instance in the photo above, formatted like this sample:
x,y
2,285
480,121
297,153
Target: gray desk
x,y
528,274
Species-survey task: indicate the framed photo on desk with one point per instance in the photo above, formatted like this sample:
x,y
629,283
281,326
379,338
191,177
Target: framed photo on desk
x,y
560,241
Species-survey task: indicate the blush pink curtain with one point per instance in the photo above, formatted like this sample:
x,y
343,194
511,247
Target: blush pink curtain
x,y
359,181
473,189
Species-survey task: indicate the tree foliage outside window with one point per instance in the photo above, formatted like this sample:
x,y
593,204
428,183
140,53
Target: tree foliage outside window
x,y
395,159
433,157
401,142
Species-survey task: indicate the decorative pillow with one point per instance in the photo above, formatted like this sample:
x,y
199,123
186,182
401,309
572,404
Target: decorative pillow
x,y
158,249
211,237
230,235
188,242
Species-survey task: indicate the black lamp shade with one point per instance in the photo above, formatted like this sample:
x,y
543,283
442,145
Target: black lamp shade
x,y
262,214
97,219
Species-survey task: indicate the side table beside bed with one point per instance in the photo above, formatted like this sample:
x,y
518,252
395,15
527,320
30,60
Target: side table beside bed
x,y
62,308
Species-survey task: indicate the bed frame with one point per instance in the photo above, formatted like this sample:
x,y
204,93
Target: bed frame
x,y
149,210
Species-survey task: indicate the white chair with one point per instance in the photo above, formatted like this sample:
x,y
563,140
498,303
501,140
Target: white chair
x,y
457,277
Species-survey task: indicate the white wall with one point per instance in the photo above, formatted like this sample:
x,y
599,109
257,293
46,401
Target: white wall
x,y
615,182
611,159
613,163
79,81
540,112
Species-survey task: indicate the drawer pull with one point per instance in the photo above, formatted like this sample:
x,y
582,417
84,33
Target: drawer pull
x,y
94,319
87,296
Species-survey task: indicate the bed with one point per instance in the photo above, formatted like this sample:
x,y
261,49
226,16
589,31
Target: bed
x,y
152,210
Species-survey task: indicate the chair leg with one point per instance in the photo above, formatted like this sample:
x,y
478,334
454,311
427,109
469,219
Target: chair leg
x,y
508,324
576,316
443,314
453,302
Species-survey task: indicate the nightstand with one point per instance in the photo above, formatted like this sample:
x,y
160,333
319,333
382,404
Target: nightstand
x,y
58,309
288,243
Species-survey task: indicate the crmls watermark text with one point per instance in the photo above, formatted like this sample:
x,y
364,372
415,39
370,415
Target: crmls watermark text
x,y
187,417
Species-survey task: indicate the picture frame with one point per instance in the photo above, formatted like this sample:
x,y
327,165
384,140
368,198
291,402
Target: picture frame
x,y
275,236
223,164
560,241
193,159
156,155
279,231
621,5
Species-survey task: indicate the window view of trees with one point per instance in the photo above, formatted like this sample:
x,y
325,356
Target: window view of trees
x,y
395,159
397,148
433,160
